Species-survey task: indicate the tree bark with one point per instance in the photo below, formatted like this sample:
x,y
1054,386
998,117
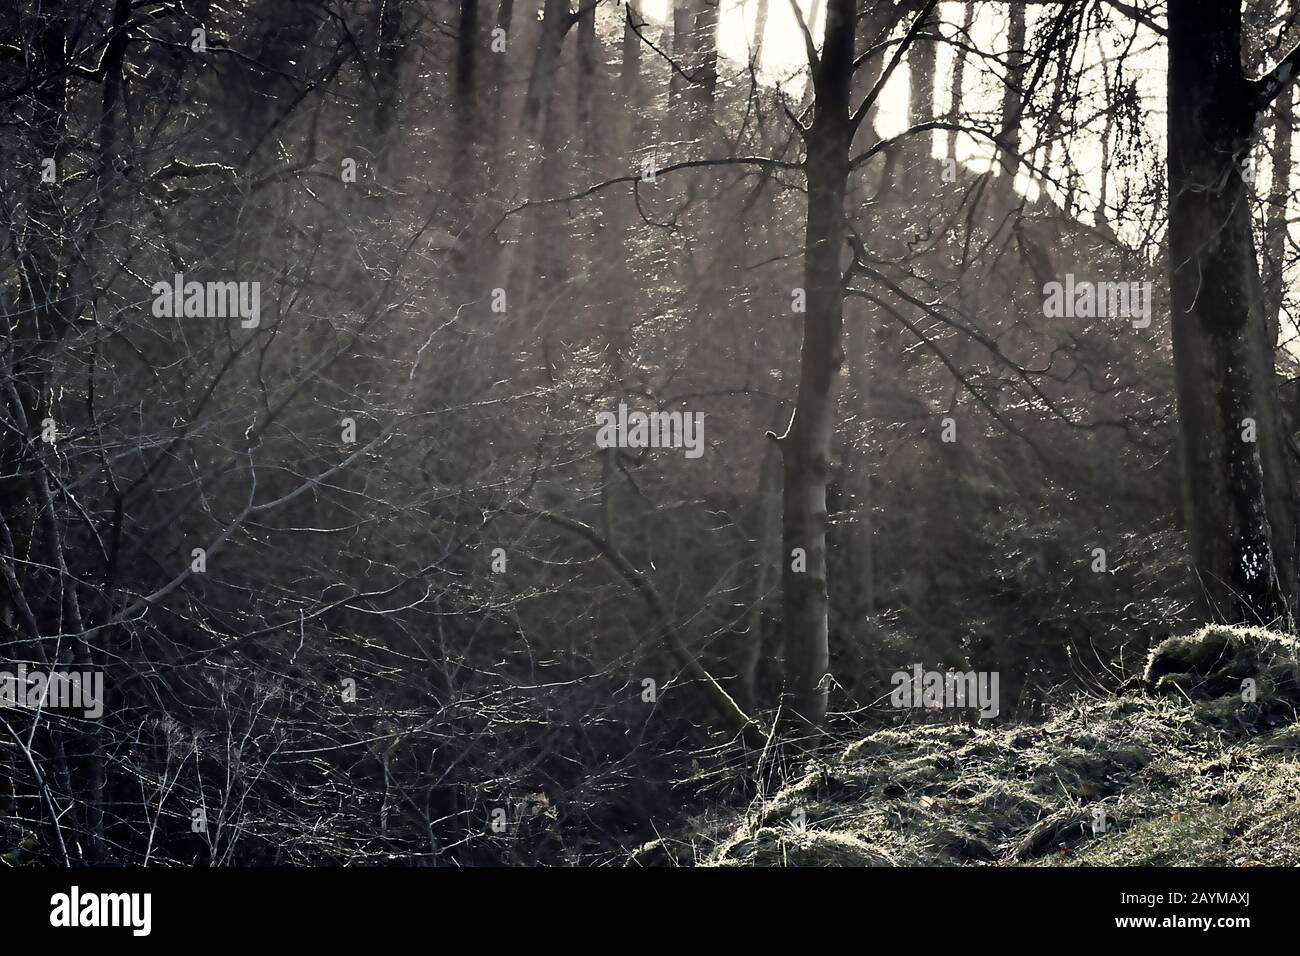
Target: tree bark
x,y
467,173
760,33
556,22
389,65
524,255
1275,223
1260,17
806,448
683,54
496,151
921,60
959,79
1239,495
706,59
860,560
1013,95
467,42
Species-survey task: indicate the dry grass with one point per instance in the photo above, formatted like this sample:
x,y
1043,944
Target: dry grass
x,y
1187,773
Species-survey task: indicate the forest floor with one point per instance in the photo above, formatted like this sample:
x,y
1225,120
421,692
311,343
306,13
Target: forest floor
x,y
1187,769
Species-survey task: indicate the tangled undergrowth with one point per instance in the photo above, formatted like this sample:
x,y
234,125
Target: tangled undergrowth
x,y
1199,765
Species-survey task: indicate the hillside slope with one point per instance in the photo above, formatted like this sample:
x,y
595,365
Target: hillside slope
x,y
1188,770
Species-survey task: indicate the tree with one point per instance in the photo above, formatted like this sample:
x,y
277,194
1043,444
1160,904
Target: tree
x,y
806,446
1013,91
1239,486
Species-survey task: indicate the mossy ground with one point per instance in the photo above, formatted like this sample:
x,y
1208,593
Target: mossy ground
x,y
1188,771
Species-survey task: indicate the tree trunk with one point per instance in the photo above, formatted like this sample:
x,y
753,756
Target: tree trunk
x,y
877,24
1260,19
496,151
556,22
683,54
760,32
466,173
540,140
860,560
1239,496
588,57
389,69
921,59
806,448
959,79
765,528
1013,95
1275,225
706,59
466,103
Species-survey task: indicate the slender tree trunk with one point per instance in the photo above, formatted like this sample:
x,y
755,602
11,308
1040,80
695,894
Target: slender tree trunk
x,y
1275,224
806,448
629,80
1239,494
1013,94
588,57
683,54
765,526
1103,190
620,283
760,33
706,59
1261,15
496,151
857,470
921,59
959,79
467,173
877,24
388,72
466,100
539,140
556,22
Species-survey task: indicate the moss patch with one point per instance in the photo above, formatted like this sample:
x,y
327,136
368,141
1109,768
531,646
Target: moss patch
x,y
1191,772
1239,678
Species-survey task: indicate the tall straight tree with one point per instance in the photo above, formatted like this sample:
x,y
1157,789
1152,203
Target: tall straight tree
x,y
388,64
683,55
806,446
1013,93
959,77
467,182
1276,225
706,56
1239,490
505,15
